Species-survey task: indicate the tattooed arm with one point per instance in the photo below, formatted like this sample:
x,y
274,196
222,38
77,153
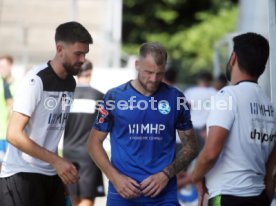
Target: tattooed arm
x,y
154,184
185,155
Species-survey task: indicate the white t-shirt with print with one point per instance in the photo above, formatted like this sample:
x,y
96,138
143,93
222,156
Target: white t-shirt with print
x,y
46,99
250,119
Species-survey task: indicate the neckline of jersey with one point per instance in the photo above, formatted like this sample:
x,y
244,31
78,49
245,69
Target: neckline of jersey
x,y
153,94
51,68
250,81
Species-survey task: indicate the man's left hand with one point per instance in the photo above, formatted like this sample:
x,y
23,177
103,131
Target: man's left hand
x,y
154,184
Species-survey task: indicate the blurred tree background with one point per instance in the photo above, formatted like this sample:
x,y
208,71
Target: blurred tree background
x,y
188,29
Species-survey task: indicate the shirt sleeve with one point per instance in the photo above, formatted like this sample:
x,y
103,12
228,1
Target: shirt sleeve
x,y
28,95
104,119
222,110
183,113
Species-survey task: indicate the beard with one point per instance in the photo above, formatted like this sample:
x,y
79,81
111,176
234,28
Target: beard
x,y
148,88
72,69
228,71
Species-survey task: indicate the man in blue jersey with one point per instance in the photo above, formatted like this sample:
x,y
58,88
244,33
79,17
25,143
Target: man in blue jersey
x,y
237,160
142,116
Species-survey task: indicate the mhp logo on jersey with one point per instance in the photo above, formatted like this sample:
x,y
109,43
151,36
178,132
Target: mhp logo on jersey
x,y
146,128
164,107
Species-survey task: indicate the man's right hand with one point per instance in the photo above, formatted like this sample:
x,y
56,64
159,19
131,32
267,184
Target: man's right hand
x,y
201,190
126,187
66,171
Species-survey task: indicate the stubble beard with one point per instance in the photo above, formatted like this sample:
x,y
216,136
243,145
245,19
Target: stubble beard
x,y
71,70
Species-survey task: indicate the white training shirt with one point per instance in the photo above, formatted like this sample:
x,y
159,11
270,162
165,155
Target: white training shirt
x,y
46,99
250,118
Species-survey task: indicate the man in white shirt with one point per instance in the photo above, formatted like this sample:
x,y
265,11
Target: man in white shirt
x,y
32,172
239,154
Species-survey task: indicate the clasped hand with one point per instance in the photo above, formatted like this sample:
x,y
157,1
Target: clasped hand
x,y
128,188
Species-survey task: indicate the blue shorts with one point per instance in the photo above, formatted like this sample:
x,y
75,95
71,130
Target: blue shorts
x,y
124,202
167,197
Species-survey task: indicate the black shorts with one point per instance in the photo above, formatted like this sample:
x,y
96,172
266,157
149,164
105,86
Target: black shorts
x,y
230,200
90,184
31,189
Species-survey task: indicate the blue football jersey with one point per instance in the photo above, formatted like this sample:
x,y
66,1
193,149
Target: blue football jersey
x,y
142,128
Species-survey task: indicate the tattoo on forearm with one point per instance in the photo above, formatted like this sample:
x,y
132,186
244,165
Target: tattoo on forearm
x,y
184,157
